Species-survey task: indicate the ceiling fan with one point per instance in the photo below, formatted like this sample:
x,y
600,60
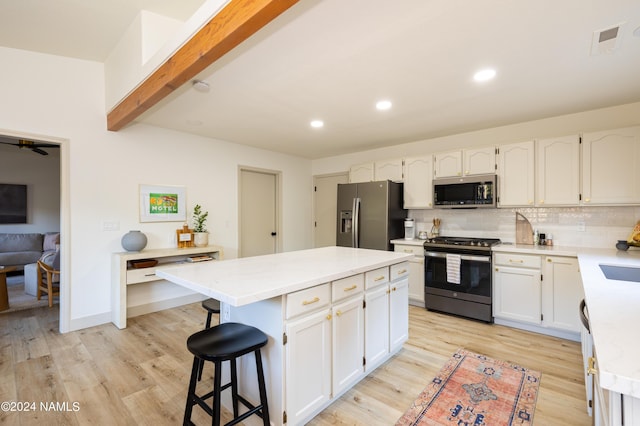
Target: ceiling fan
x,y
25,144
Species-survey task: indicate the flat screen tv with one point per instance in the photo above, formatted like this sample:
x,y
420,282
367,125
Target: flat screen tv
x,y
13,203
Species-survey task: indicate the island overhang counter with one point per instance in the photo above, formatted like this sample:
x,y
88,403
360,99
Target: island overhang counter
x,y
332,314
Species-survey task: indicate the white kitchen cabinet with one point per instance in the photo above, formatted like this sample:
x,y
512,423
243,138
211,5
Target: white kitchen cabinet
x,y
418,187
386,312
466,162
516,174
558,171
361,173
611,167
479,161
416,275
561,293
398,306
308,364
517,294
388,170
347,343
376,319
448,164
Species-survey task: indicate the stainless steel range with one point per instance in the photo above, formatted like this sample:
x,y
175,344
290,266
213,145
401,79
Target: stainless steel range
x,y
458,276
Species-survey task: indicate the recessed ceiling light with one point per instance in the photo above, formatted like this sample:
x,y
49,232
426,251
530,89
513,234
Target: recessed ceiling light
x,y
383,105
316,124
484,75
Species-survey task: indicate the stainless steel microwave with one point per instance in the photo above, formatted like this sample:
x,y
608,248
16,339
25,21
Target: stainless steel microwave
x,y
465,192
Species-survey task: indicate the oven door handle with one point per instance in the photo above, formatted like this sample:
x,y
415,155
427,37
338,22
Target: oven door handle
x,y
486,259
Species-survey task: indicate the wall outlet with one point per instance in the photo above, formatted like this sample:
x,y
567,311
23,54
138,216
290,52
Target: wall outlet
x,y
581,227
110,225
226,312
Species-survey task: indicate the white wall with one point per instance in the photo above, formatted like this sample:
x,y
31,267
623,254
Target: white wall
x,y
64,98
43,187
603,225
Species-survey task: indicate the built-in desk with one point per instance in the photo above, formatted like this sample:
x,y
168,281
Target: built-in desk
x,y
311,304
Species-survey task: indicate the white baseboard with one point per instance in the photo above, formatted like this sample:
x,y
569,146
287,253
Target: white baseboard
x,y
134,311
563,334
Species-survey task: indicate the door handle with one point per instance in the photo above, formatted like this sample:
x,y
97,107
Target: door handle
x,y
273,234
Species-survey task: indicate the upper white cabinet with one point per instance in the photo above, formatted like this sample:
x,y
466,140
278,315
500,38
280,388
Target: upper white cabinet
x,y
475,161
558,171
611,167
361,173
418,177
516,174
388,170
448,164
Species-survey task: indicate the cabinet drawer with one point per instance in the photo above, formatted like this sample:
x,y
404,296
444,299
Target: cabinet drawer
x,y
141,275
515,259
376,277
415,250
308,300
399,270
347,287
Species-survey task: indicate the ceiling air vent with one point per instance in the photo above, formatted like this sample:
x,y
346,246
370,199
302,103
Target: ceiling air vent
x,y
606,40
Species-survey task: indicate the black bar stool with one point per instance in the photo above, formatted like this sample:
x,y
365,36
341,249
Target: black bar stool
x,y
226,342
212,306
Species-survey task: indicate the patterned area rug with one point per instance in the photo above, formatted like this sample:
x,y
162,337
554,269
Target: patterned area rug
x,y
474,390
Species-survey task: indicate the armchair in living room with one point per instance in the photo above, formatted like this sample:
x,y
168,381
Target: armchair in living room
x,y
49,276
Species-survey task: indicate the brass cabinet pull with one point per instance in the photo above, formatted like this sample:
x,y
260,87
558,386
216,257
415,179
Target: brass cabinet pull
x,y
404,271
516,261
380,278
549,260
308,302
591,370
408,251
338,313
394,289
329,317
541,201
353,287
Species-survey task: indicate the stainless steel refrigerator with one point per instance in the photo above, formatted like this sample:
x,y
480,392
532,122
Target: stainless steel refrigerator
x,y
370,214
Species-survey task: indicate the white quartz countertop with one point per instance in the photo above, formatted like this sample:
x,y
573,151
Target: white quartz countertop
x,y
413,242
243,281
614,318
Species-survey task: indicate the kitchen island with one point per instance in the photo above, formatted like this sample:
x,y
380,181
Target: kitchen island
x,y
614,315
332,315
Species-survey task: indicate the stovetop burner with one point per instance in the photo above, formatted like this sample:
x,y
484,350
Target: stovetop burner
x,y
486,243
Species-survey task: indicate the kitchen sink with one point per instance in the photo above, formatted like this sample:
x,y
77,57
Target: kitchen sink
x,y
621,273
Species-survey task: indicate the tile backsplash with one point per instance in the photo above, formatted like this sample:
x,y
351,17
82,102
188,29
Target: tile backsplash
x,y
603,226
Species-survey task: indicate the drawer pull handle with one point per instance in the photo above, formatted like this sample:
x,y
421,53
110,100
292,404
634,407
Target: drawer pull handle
x,y
403,271
408,251
380,278
338,313
353,287
516,261
308,302
150,275
591,370
329,317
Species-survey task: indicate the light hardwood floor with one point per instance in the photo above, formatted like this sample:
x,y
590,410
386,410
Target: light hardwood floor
x,y
139,375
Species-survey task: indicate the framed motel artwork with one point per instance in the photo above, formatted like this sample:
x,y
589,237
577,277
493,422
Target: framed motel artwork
x,y
162,203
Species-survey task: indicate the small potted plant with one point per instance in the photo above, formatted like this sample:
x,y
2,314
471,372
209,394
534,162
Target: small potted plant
x,y
200,233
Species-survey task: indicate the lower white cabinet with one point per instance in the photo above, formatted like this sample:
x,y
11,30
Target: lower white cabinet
x,y
416,269
538,293
517,288
347,343
308,364
561,293
336,332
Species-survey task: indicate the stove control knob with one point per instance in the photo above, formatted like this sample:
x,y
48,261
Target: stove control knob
x,y
472,243
485,244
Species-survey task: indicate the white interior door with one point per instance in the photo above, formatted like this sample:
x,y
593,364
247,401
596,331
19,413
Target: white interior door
x,y
258,213
325,198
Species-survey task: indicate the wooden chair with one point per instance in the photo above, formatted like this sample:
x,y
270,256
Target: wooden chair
x,y
48,279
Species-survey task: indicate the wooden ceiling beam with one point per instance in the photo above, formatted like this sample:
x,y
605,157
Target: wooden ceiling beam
x,y
236,22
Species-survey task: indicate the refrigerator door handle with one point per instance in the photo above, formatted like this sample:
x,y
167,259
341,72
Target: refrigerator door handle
x,y
355,235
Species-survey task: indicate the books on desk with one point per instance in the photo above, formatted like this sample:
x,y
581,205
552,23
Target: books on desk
x,y
199,258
